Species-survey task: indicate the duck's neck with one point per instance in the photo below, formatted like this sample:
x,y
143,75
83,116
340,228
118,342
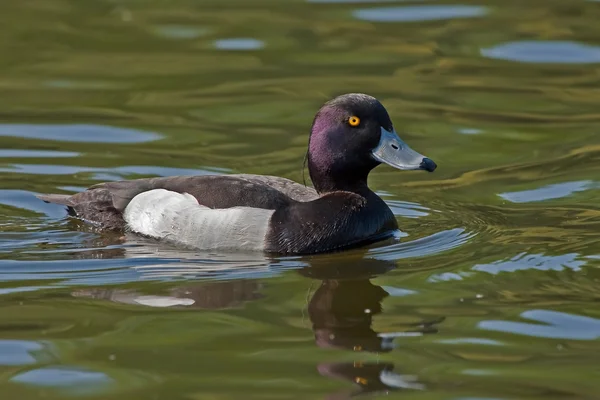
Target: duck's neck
x,y
326,178
324,183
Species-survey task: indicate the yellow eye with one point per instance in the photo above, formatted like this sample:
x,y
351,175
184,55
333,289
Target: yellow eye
x,y
354,121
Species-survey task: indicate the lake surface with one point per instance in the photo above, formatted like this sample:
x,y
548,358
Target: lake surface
x,y
491,291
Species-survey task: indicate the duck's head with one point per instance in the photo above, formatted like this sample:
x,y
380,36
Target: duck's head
x,y
351,135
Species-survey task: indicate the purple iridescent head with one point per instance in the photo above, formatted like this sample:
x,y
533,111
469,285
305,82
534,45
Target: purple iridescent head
x,y
351,135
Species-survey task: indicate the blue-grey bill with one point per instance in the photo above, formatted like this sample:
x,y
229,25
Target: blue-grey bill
x,y
392,151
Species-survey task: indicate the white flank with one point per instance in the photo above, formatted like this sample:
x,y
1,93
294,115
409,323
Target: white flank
x,y
177,217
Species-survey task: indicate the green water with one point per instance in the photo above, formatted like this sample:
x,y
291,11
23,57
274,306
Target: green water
x,y
491,292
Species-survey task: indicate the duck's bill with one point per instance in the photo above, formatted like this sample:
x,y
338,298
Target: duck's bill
x,y
392,151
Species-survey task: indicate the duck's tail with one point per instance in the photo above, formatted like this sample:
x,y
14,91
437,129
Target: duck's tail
x,y
63,199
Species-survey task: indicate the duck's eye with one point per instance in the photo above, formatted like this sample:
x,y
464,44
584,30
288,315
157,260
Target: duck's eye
x,y
354,121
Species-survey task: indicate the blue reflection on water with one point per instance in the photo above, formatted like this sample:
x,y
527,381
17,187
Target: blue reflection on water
x,y
521,262
532,51
23,352
548,192
419,13
524,261
79,133
75,380
18,153
558,325
239,44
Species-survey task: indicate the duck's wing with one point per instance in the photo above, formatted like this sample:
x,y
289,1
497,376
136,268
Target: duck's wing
x,y
286,186
105,203
217,191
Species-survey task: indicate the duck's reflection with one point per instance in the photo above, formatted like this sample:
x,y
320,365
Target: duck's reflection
x,y
369,377
214,295
342,312
341,309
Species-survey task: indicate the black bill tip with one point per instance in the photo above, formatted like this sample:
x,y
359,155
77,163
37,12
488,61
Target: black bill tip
x,y
428,165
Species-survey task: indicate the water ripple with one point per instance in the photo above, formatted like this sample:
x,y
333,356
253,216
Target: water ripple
x,y
18,153
433,244
555,191
80,133
524,261
419,13
559,325
521,262
24,199
180,32
559,52
74,380
239,44
135,259
107,174
24,352
481,341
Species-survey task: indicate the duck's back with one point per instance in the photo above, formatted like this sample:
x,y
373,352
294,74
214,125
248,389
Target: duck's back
x,y
104,204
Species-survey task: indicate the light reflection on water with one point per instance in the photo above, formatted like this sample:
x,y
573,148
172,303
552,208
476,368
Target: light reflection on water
x,y
101,174
545,52
81,133
555,191
129,259
16,153
520,262
23,352
239,44
556,325
419,13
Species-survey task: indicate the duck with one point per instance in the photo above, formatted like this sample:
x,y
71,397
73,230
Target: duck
x,y
351,134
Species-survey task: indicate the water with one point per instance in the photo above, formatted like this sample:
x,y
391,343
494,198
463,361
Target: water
x,y
489,292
